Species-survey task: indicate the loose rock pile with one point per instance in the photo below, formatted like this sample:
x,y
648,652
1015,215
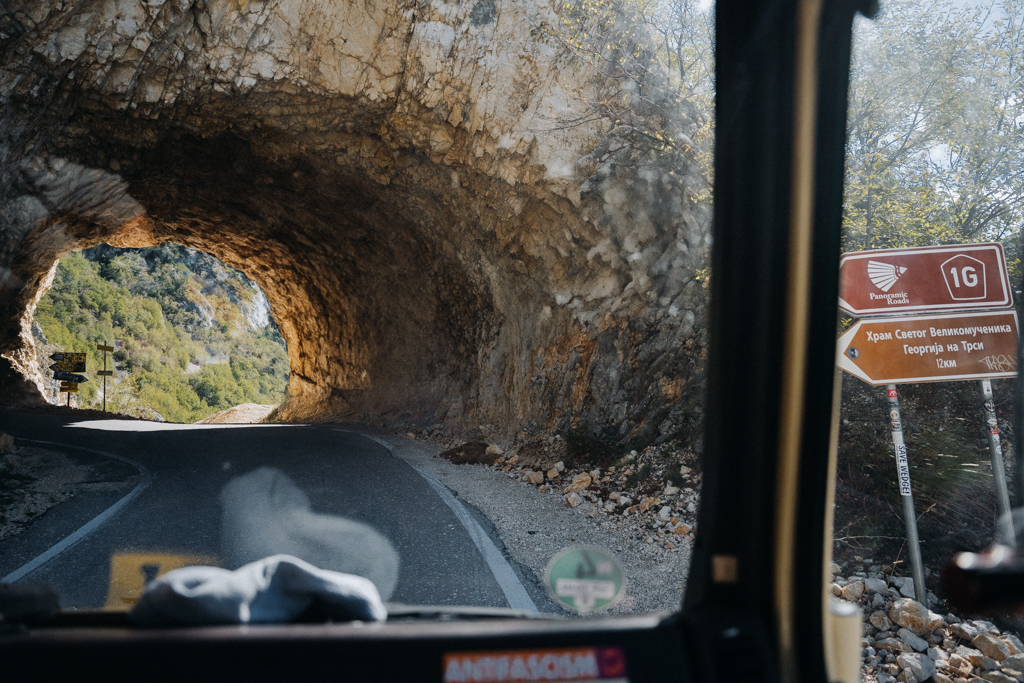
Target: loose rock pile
x,y
905,641
641,487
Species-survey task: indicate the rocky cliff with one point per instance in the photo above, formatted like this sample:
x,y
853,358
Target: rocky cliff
x,y
443,230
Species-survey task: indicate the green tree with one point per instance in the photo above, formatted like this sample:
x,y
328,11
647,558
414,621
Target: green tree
x,y
171,307
652,57
936,125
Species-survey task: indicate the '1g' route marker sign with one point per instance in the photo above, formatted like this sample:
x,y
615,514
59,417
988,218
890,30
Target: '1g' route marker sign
x,y
931,348
926,279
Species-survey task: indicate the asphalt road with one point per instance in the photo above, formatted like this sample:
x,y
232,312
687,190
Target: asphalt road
x,y
232,494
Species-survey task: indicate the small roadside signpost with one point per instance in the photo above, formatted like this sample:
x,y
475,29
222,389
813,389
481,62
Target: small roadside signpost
x,y
995,450
896,344
104,373
64,369
906,495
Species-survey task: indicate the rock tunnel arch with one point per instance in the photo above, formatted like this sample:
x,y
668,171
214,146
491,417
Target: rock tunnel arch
x,y
432,248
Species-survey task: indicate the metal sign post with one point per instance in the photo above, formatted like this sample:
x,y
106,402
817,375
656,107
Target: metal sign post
x,y
104,373
995,451
909,515
892,347
64,370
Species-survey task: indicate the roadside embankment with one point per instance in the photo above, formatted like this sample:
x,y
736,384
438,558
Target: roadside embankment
x,y
534,524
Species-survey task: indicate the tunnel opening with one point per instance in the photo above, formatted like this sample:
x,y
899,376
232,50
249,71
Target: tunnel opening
x,y
438,255
411,292
191,336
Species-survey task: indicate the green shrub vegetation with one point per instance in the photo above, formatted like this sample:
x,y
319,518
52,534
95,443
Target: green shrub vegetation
x,y
197,334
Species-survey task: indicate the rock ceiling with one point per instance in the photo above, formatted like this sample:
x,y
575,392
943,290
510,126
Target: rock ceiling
x,y
443,231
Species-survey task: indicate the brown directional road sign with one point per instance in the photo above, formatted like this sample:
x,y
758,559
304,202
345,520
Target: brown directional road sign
x,y
943,278
931,348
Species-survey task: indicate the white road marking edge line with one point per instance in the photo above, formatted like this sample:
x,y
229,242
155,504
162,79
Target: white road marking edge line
x,y
508,581
90,526
506,577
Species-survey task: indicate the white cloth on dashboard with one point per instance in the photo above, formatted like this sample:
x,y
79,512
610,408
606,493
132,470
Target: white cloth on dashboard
x,y
272,590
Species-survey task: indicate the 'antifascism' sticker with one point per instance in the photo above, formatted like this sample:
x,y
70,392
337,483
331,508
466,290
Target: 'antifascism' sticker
x,y
579,665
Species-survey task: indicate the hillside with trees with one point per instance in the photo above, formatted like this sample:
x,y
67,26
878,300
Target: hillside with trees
x,y
194,336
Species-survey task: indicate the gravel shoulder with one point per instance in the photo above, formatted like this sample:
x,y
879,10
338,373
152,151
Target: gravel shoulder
x,y
534,526
35,480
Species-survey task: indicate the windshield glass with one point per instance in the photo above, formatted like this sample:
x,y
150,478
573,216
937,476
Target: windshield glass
x,y
415,295
930,288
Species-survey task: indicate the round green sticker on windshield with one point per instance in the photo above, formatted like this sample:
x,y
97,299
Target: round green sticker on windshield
x,y
585,579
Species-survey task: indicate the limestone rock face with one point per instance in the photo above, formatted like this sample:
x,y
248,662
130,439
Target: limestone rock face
x,y
436,241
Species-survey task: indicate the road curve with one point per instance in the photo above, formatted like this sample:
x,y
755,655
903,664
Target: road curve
x,y
233,493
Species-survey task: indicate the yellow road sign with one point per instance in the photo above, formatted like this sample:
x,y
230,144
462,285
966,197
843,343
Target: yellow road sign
x,y
104,347
69,387
68,362
130,572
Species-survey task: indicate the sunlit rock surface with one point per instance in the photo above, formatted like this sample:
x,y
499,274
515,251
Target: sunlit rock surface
x,y
443,231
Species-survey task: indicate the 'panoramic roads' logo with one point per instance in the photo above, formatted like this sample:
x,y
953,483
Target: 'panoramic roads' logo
x,y
884,275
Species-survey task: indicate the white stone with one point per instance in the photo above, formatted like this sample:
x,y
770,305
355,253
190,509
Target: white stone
x,y
998,677
853,590
915,642
905,585
921,667
875,585
991,646
880,621
914,616
1014,662
579,483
